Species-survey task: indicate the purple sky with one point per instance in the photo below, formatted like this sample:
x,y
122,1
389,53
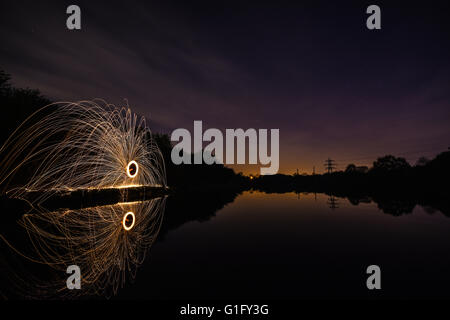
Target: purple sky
x,y
332,87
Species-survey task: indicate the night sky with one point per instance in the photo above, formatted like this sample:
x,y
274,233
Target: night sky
x,y
313,70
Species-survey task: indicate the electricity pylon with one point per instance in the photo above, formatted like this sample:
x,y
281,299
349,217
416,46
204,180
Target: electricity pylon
x,y
330,165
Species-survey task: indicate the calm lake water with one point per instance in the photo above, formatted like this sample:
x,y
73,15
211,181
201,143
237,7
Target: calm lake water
x,y
294,246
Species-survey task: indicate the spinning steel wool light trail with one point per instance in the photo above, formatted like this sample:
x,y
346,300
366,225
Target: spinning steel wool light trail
x,y
107,243
67,147
83,145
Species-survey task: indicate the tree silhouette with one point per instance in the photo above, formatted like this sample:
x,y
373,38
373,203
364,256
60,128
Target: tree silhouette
x,y
422,161
16,105
390,163
5,85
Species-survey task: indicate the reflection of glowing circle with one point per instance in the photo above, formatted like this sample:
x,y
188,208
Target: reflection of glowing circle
x,y
128,221
132,169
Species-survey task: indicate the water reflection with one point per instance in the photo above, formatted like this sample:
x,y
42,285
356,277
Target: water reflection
x,y
250,245
108,243
333,202
288,245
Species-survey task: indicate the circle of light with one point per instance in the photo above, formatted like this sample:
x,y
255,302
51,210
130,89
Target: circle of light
x,y
125,219
128,169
